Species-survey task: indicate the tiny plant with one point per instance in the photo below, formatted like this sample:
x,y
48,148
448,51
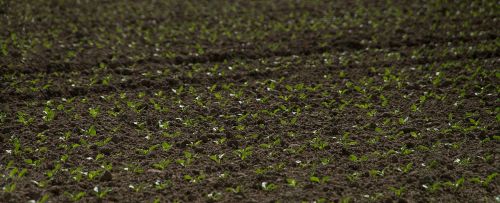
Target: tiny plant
x,y
243,153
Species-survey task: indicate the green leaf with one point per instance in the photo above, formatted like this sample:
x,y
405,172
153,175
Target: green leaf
x,y
166,146
314,179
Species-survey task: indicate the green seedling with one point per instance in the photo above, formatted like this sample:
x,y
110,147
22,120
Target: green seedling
x,y
101,192
75,196
91,131
217,158
162,165
291,182
166,146
244,152
188,159
236,190
268,186
24,118
49,114
320,180
397,191
318,143
94,112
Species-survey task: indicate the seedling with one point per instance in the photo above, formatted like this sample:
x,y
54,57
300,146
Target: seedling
x,y
159,185
162,165
91,131
17,146
375,173
486,181
291,182
355,158
407,168
50,173
94,174
24,118
455,185
398,191
101,192
433,187
243,153
353,177
163,124
43,199
94,112
195,179
148,150
237,190
49,114
318,143
188,159
320,180
166,146
214,196
217,158
138,188
268,186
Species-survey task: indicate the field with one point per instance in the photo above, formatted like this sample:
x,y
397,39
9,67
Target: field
x,y
249,101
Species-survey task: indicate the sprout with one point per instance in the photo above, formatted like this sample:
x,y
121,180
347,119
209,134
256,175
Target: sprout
x,y
101,192
243,153
94,112
49,114
268,186
217,158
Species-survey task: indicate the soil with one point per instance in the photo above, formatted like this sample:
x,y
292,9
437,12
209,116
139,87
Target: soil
x,y
280,77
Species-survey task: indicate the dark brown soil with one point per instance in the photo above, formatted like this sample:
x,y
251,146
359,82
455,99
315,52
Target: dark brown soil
x,y
371,101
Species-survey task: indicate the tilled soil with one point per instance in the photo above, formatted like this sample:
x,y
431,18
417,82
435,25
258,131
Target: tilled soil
x,y
251,101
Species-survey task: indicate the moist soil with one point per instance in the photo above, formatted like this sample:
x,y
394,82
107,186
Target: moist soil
x,y
355,102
